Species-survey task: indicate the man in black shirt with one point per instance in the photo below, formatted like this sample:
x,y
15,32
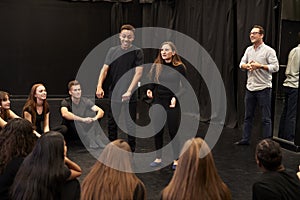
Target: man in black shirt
x,y
276,182
122,59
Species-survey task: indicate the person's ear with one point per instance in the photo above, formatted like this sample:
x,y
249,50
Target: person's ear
x,y
257,161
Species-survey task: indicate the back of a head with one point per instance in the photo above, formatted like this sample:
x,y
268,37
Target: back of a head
x,y
268,154
18,127
42,173
196,171
117,155
16,140
50,147
114,168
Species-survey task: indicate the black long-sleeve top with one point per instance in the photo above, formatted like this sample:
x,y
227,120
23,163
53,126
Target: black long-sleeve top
x,y
169,80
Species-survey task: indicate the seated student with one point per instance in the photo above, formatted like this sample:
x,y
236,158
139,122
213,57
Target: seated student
x,y
36,110
16,142
111,177
276,182
81,115
196,176
5,112
46,173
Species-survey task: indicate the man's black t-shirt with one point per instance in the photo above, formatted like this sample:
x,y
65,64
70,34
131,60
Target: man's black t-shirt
x,y
283,185
121,61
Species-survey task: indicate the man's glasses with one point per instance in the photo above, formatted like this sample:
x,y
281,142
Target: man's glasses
x,y
254,33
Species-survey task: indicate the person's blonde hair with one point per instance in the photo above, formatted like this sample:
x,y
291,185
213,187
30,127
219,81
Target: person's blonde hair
x,y
105,181
196,176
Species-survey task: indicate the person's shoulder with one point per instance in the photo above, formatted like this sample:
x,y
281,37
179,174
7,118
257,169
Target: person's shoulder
x,y
181,67
266,46
66,100
115,48
28,108
297,48
136,48
249,49
84,99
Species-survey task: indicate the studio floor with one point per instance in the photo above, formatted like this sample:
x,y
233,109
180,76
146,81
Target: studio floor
x,y
236,164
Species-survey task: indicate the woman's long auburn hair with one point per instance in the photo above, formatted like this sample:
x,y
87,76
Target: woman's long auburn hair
x,y
196,176
105,181
31,103
4,113
157,65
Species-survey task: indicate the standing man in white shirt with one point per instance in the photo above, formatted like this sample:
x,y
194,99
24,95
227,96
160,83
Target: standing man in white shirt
x,y
260,61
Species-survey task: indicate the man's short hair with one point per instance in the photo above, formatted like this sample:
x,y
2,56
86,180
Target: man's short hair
x,y
268,153
72,83
261,29
127,27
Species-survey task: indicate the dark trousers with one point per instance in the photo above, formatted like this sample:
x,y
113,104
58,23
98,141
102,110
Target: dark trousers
x,y
130,124
288,117
263,99
87,133
173,121
60,128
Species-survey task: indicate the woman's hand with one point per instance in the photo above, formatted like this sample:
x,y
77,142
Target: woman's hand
x,y
149,94
173,102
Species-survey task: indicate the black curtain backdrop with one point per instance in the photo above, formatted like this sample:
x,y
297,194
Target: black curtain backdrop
x,y
47,40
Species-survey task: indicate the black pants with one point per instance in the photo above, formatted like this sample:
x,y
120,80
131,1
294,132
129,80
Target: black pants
x,y
130,124
173,121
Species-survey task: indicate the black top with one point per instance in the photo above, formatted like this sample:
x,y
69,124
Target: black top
x,y
120,61
170,81
8,176
39,121
283,185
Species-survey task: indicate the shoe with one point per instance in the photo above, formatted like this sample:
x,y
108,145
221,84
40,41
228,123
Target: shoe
x,y
155,164
175,163
174,166
241,142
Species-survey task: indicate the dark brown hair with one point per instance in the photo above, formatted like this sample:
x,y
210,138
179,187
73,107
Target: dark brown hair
x,y
127,27
261,29
268,153
72,83
16,140
4,113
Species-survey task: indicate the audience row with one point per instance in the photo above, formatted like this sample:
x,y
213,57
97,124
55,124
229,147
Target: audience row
x,y
38,168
